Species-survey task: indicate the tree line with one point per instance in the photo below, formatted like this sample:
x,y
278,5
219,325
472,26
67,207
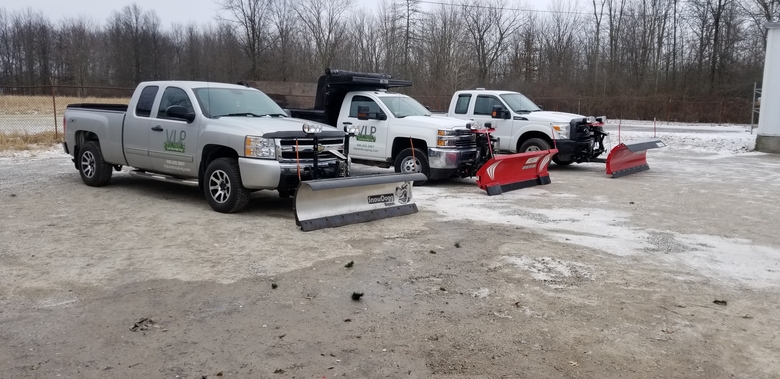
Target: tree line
x,y
651,52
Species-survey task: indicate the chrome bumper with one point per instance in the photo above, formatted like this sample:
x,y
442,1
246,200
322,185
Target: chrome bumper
x,y
449,158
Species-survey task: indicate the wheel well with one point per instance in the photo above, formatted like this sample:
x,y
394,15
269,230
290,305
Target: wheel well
x,y
212,152
533,134
83,136
399,144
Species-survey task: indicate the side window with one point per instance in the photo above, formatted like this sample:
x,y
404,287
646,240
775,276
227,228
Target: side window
x,y
373,107
174,96
462,106
484,105
146,101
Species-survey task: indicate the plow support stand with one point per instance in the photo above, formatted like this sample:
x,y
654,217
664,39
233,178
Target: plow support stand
x,y
626,159
336,202
510,172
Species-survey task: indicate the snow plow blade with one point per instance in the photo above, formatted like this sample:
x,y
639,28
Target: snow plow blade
x,y
626,159
510,172
328,203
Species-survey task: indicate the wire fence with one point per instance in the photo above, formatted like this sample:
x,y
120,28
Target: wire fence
x,y
40,109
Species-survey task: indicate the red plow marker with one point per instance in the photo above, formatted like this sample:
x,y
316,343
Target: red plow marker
x,y
510,172
626,159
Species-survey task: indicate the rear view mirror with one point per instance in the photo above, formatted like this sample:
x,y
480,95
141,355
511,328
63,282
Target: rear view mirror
x,y
179,112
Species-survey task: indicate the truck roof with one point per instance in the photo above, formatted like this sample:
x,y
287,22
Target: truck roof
x,y
484,91
194,84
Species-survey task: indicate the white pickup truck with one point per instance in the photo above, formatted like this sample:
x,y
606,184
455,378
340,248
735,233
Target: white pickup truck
x,y
228,139
394,130
522,126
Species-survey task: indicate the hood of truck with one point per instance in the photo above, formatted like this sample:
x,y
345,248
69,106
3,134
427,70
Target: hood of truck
x,y
431,122
261,125
547,116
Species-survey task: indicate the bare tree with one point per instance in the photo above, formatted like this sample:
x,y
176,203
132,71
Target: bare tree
x,y
324,21
252,19
489,24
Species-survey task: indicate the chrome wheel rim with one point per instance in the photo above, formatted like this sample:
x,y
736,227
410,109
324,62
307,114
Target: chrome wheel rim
x,y
88,164
533,148
219,186
410,164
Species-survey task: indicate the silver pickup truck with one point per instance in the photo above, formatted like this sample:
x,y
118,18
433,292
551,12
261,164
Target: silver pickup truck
x,y
227,139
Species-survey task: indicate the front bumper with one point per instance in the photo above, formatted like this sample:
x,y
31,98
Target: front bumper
x,y
445,163
270,174
571,150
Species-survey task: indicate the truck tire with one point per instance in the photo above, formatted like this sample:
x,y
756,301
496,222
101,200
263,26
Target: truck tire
x,y
560,162
534,144
406,163
223,187
95,172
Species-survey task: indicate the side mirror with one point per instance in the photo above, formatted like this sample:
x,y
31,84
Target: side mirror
x,y
540,107
381,116
499,112
180,112
428,108
362,112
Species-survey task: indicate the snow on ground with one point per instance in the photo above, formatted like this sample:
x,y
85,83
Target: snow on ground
x,y
728,143
678,125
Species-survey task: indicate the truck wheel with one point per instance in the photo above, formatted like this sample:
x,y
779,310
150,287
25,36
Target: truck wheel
x,y
407,164
223,188
533,144
560,162
95,172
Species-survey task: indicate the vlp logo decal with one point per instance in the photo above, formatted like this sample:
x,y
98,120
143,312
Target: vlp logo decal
x,y
174,142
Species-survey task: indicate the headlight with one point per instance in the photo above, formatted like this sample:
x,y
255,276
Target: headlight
x,y
351,129
446,138
475,125
259,147
561,130
311,128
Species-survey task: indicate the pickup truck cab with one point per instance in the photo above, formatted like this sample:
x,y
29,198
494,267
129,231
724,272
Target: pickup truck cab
x,y
521,125
227,139
393,130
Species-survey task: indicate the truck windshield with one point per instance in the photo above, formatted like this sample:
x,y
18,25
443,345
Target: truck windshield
x,y
233,102
519,103
402,106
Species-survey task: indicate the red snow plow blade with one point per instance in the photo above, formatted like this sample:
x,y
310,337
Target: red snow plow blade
x,y
627,159
510,172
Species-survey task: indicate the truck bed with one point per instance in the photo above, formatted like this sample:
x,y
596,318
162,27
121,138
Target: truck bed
x,y
100,107
310,114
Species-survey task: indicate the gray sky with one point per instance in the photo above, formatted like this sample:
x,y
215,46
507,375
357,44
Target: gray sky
x,y
169,11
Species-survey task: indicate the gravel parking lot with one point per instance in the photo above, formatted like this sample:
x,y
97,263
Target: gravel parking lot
x,y
673,273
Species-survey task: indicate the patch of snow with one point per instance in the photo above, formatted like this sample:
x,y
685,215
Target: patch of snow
x,y
553,272
730,143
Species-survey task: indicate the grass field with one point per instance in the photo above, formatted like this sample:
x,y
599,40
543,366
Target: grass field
x,y
27,141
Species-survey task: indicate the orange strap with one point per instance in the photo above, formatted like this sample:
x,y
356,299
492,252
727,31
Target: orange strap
x,y
297,160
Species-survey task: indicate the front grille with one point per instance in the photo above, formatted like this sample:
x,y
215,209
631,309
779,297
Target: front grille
x,y
466,139
306,149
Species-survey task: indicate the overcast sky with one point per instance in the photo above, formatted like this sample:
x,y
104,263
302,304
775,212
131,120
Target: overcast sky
x,y
169,11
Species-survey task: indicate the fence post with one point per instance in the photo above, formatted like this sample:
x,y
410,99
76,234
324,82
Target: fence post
x,y
54,104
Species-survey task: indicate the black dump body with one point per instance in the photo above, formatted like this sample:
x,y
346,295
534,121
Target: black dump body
x,y
334,86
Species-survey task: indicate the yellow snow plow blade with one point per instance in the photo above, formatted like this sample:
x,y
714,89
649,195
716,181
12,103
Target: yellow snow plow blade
x,y
328,203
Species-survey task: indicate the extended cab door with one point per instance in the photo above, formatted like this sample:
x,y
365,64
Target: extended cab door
x,y
483,111
371,141
136,129
173,140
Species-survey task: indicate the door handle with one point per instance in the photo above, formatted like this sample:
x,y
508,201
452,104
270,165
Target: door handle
x,y
157,128
347,123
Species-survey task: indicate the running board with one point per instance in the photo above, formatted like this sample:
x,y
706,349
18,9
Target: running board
x,y
164,178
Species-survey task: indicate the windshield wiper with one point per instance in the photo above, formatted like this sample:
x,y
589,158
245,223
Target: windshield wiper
x,y
274,115
244,114
526,110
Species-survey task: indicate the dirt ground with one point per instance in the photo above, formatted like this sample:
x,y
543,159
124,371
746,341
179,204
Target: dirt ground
x,y
588,277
